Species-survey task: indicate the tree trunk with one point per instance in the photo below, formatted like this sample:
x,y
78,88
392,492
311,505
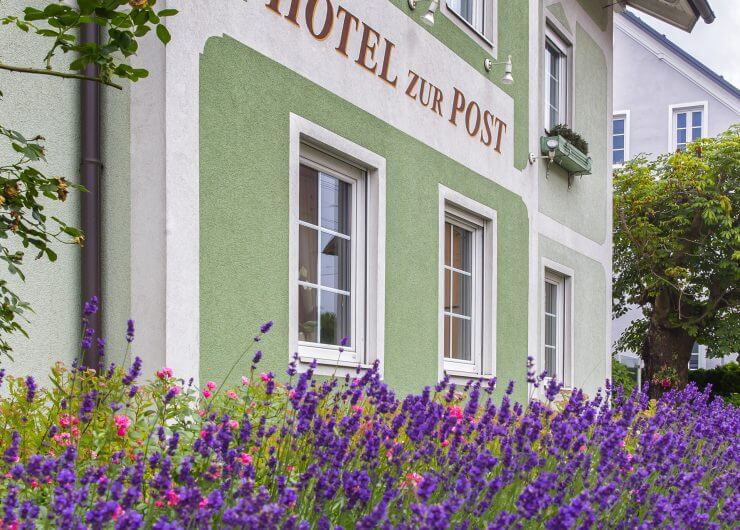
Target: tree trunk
x,y
666,352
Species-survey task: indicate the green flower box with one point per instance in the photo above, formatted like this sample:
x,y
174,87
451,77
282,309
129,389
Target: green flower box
x,y
567,156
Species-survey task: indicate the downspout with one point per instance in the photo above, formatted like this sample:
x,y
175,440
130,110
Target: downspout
x,y
91,171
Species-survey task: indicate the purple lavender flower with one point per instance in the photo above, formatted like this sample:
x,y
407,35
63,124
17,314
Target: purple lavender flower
x,y
130,331
134,372
90,307
31,388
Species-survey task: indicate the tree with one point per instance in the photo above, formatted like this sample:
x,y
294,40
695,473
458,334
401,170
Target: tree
x,y
23,186
677,255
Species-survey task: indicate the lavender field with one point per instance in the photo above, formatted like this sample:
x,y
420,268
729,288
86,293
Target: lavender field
x,y
295,451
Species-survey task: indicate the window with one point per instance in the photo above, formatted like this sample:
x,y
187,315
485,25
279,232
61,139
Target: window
x,y
694,360
477,17
556,81
688,124
331,224
620,139
467,298
556,322
337,251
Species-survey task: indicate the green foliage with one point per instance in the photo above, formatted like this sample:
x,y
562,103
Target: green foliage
x,y
725,381
624,376
569,134
677,242
24,189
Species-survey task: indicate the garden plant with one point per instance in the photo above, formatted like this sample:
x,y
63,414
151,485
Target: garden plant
x,y
102,449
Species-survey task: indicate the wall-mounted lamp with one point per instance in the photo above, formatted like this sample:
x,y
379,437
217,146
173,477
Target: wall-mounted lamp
x,y
508,79
428,17
552,145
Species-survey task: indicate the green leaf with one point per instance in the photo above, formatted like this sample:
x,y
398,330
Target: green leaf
x,y
168,13
163,34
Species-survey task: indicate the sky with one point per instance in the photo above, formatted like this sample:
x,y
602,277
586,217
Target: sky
x,y
717,45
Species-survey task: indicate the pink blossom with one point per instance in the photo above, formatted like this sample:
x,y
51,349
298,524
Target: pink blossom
x,y
233,424
175,390
206,394
211,385
411,480
445,443
357,408
123,423
231,394
265,377
164,373
456,412
203,502
118,513
246,459
172,498
245,380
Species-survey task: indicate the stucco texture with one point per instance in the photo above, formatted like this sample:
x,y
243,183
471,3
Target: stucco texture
x,y
589,314
246,101
582,207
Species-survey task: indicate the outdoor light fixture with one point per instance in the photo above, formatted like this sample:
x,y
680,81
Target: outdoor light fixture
x,y
428,18
508,79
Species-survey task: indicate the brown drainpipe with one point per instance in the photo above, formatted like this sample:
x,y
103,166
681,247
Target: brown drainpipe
x,y
91,171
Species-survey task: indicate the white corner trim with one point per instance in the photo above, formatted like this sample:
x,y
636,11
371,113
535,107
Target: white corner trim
x,y
692,105
487,215
374,165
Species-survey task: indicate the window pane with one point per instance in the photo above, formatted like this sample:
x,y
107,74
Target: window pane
x,y
681,136
307,314
448,324
448,290
619,126
461,294
335,204
551,298
335,318
307,254
309,195
694,361
335,262
681,120
461,248
551,361
460,334
695,133
618,142
618,156
448,244
696,118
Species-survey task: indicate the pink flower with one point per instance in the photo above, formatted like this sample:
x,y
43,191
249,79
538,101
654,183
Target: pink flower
x,y
203,502
629,457
355,381
445,443
411,480
291,394
356,408
582,448
64,420
246,459
456,412
201,413
245,380
211,385
164,373
118,513
233,424
206,394
265,377
231,394
203,434
123,423
172,498
621,443
175,390
158,503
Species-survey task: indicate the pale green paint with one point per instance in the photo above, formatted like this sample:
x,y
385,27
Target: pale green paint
x,y
598,11
35,104
513,39
246,100
589,313
559,13
583,207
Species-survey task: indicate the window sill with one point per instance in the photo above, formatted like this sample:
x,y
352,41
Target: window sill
x,y
459,374
330,367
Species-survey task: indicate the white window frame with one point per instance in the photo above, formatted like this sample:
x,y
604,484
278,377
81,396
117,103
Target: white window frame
x,y
565,48
674,110
324,150
624,115
484,220
487,11
563,277
698,356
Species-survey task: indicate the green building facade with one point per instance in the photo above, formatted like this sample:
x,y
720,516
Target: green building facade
x,y
349,171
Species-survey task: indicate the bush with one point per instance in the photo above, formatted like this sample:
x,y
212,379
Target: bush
x,y
725,381
624,376
105,451
569,134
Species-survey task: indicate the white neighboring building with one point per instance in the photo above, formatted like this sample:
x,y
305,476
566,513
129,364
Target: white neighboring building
x,y
663,98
